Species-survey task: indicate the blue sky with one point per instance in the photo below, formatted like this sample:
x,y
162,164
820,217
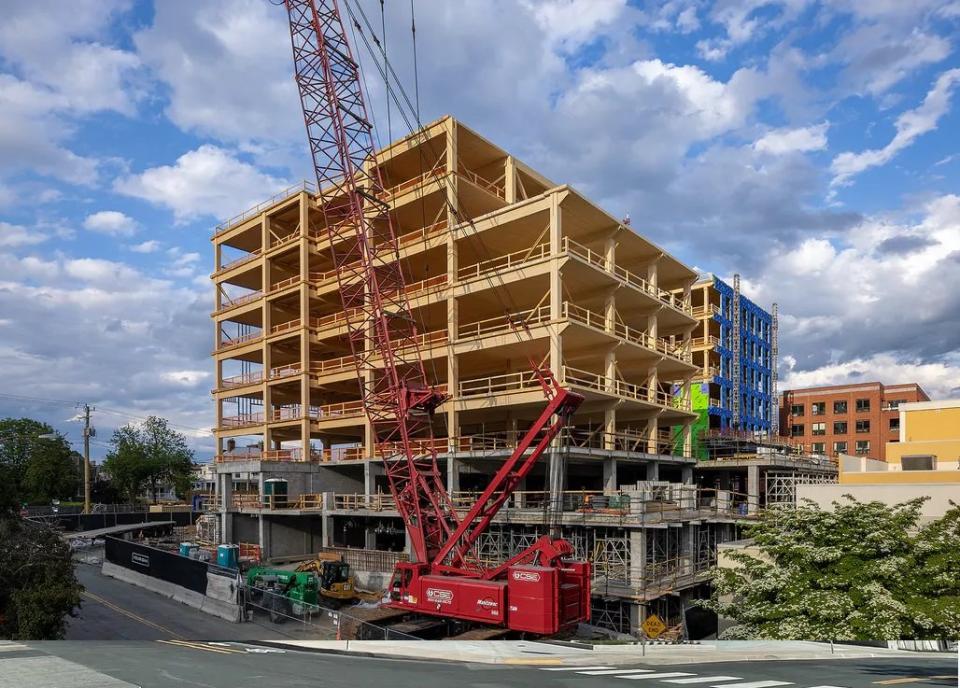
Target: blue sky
x,y
810,146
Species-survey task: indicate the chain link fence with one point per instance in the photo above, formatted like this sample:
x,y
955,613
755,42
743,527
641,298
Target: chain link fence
x,y
263,604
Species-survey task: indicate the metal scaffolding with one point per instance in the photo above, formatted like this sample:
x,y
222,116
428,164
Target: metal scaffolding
x,y
782,487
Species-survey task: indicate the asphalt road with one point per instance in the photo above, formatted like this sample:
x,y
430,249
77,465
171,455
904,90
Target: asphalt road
x,y
114,610
242,665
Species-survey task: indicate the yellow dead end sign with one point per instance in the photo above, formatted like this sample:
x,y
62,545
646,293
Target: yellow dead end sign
x,y
653,626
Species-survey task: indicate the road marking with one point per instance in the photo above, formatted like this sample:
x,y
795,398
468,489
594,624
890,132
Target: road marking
x,y
12,647
614,672
707,679
669,674
911,679
757,684
129,614
202,646
578,668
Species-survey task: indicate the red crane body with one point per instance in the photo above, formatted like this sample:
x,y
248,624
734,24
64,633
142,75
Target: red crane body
x,y
540,590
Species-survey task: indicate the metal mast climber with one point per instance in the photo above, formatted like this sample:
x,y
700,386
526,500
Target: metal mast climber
x,y
446,580
735,398
774,366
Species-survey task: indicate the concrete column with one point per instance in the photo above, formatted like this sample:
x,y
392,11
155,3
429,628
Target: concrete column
x,y
453,475
520,497
510,180
653,471
453,324
370,538
371,469
686,473
638,557
557,477
326,531
610,475
753,489
226,504
609,428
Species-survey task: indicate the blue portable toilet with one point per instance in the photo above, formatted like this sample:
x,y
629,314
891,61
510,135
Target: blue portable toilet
x,y
228,556
189,549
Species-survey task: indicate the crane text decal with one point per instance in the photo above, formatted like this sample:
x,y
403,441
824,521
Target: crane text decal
x,y
440,596
526,576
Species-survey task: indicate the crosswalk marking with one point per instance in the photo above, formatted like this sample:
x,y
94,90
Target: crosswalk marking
x,y
703,679
614,672
576,668
669,674
756,684
826,686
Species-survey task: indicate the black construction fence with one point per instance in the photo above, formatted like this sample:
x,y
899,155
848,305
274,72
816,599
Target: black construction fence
x,y
157,563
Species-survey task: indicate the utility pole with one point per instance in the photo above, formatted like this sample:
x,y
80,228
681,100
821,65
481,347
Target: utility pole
x,y
88,432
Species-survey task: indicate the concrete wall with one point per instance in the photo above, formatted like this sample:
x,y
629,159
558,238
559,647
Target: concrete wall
x,y
210,604
939,494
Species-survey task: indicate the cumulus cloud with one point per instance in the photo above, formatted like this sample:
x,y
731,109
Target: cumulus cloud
x,y
208,181
12,236
110,222
910,125
149,246
801,140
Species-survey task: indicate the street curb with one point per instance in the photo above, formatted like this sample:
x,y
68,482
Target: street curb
x,y
283,645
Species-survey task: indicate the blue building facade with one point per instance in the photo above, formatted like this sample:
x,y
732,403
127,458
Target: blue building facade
x,y
756,351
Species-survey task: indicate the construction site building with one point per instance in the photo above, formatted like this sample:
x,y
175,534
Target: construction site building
x,y
502,266
734,347
857,419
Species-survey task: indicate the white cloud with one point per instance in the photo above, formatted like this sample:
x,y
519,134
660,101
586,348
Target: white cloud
x,y
910,125
208,181
569,23
802,140
149,246
939,379
111,222
12,236
100,272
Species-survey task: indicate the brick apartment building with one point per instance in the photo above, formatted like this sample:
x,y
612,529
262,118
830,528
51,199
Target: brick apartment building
x,y
856,419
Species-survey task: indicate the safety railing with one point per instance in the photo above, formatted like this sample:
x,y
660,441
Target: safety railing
x,y
284,283
360,502
229,302
495,187
241,380
703,342
597,260
389,450
343,453
504,323
704,311
438,170
332,365
622,388
239,341
277,241
367,560
305,185
245,500
278,372
242,420
498,384
498,263
423,234
237,262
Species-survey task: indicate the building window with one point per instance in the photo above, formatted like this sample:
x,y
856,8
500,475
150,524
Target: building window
x,y
796,431
863,446
796,409
818,408
818,448
895,404
839,447
863,405
863,426
840,427
895,423
818,429
839,407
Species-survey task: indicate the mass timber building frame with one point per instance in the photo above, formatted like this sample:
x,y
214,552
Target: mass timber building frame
x,y
501,267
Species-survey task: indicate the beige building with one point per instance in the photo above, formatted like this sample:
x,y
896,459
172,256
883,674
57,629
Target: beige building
x,y
923,462
502,267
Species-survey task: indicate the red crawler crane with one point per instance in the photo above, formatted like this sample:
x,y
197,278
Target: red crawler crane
x,y
540,590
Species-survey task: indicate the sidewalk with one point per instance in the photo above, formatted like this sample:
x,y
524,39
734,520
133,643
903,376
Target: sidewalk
x,y
533,653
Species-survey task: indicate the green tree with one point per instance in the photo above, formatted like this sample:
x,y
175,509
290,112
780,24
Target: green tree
x,y
861,571
149,454
38,588
33,467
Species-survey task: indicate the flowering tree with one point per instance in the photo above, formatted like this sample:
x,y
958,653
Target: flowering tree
x,y
861,571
